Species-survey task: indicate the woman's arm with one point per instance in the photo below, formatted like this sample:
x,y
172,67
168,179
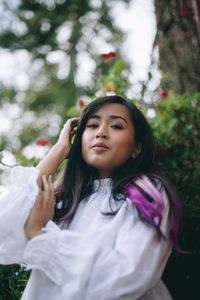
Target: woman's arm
x,y
43,208
23,198
50,163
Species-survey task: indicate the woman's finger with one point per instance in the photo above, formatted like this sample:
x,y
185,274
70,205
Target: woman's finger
x,y
73,127
39,197
45,183
50,181
67,133
52,200
71,123
51,187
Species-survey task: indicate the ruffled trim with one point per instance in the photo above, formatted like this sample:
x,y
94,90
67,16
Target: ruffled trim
x,y
50,252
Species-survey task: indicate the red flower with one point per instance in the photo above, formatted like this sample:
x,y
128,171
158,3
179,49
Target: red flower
x,y
108,55
185,11
42,142
105,56
163,93
81,102
112,54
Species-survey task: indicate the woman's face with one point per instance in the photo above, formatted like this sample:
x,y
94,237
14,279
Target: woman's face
x,y
108,140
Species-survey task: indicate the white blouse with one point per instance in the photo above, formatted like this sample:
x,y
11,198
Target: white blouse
x,y
95,257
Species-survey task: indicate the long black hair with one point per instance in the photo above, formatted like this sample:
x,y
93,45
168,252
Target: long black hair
x,y
78,176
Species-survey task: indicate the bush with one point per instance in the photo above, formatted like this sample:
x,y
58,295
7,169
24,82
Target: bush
x,y
12,282
177,133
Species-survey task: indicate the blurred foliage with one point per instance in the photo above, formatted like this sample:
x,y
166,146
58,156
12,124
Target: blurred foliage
x,y
176,129
110,78
177,132
66,26
111,74
13,279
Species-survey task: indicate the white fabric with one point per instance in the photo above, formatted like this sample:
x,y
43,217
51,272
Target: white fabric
x,y
95,257
14,210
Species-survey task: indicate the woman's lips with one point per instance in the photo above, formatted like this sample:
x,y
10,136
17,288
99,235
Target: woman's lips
x,y
100,146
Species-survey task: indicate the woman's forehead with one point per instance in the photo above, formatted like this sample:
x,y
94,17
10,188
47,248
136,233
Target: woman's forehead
x,y
111,110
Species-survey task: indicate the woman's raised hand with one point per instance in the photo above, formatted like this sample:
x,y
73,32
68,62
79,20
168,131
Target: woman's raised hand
x,y
67,133
43,209
59,152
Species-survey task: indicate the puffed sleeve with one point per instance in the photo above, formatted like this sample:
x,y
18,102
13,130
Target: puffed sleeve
x,y
15,206
91,267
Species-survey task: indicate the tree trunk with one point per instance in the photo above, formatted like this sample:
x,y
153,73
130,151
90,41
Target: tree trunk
x,y
178,38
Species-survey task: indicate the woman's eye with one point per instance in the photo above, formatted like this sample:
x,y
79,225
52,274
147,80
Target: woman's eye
x,y
117,126
92,125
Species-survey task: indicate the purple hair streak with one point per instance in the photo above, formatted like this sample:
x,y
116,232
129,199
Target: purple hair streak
x,y
150,205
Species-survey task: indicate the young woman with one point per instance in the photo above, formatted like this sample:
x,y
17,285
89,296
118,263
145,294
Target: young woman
x,y
115,220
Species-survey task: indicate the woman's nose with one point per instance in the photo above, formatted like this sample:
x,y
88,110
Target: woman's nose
x,y
102,132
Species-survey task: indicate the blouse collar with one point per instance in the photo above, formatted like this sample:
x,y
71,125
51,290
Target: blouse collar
x,y
102,184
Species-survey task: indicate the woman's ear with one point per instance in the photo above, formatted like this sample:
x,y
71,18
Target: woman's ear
x,y
137,149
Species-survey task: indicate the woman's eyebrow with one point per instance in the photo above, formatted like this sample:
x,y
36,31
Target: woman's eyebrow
x,y
111,117
118,117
